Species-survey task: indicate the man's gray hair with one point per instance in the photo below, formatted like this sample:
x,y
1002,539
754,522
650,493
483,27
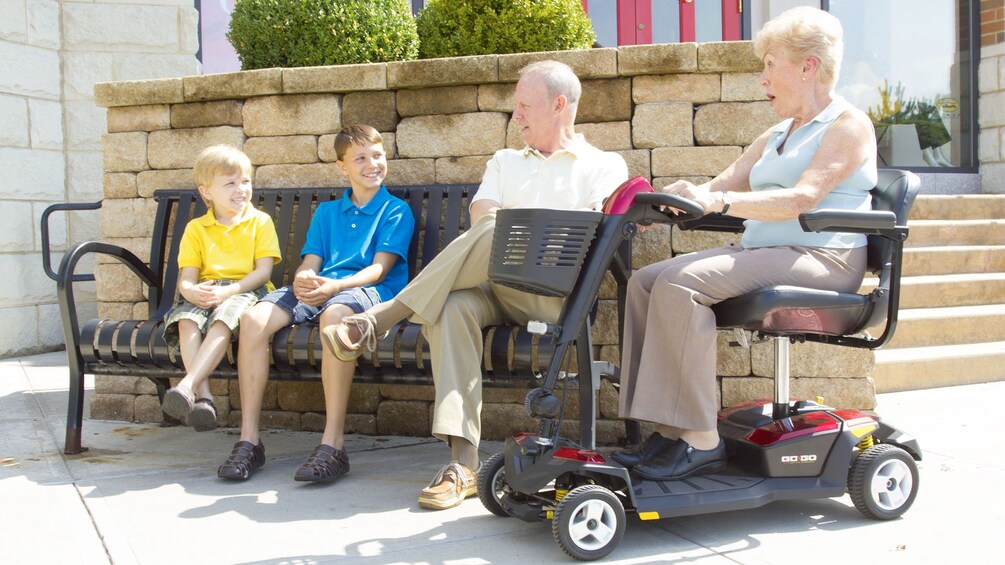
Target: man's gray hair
x,y
559,79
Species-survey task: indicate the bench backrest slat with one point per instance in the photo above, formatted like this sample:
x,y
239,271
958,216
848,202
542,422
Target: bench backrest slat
x,y
188,205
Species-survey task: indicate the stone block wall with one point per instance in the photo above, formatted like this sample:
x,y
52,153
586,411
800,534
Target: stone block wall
x,y
991,146
52,53
673,111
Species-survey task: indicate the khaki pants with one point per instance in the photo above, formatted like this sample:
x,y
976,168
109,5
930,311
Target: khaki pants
x,y
453,300
668,367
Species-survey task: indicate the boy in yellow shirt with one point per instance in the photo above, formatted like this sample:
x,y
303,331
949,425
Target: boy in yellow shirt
x,y
225,259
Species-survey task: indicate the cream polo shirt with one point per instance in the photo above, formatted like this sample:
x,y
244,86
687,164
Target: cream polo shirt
x,y
573,178
222,252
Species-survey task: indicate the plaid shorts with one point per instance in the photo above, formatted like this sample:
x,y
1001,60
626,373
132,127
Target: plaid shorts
x,y
229,313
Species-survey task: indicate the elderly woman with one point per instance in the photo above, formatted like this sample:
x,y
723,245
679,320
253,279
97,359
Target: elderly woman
x,y
822,155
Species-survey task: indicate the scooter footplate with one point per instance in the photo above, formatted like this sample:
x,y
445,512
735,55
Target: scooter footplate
x,y
693,495
694,485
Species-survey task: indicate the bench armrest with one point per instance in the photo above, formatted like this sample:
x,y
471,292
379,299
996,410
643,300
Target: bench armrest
x,y
46,247
65,279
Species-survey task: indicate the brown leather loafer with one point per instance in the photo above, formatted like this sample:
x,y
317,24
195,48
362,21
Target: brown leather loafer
x,y
450,487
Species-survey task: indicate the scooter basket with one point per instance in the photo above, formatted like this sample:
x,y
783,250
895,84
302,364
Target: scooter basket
x,y
541,250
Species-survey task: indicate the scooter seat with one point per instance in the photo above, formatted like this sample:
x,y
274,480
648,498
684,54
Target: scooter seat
x,y
792,309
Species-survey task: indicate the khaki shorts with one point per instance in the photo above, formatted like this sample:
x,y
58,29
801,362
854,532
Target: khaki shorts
x,y
229,313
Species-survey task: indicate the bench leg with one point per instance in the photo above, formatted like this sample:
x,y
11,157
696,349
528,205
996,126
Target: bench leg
x,y
74,413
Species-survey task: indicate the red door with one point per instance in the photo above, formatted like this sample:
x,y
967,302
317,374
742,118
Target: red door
x,y
641,22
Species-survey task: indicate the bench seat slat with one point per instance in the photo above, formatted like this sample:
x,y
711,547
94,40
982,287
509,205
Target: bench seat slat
x,y
124,342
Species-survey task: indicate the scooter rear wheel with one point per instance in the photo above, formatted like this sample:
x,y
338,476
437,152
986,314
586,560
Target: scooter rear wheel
x,y
589,522
883,482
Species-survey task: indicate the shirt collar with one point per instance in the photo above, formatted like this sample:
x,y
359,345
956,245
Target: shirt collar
x,y
575,148
370,207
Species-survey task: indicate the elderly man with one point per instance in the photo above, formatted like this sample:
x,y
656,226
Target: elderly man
x,y
452,297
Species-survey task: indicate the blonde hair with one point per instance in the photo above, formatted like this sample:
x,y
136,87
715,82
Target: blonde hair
x,y
806,32
219,159
355,134
559,79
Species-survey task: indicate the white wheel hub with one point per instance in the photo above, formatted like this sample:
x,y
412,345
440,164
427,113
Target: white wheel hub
x,y
593,525
892,485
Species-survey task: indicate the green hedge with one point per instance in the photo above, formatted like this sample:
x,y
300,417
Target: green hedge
x,y
303,33
451,28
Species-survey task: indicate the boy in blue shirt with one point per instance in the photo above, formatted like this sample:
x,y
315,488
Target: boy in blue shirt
x,y
355,256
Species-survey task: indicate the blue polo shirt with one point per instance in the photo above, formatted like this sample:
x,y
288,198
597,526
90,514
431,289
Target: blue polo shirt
x,y
348,237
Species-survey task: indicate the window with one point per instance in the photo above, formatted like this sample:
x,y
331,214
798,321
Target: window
x,y
215,51
910,65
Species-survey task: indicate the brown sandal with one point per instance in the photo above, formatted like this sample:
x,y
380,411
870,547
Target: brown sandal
x,y
243,460
324,465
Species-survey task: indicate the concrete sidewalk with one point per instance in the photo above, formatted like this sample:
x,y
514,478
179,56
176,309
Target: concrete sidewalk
x,y
146,494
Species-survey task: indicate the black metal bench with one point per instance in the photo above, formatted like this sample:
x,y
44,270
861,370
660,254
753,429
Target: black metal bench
x,y
137,347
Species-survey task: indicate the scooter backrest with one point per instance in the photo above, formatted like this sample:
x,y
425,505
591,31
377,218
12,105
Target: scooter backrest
x,y
621,200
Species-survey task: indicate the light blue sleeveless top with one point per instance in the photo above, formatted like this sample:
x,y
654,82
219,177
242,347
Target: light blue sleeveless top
x,y
773,171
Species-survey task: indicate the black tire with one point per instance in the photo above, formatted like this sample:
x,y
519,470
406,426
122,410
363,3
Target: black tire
x,y
491,480
883,482
589,522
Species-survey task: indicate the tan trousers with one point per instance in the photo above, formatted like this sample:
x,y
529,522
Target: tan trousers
x,y
453,300
668,366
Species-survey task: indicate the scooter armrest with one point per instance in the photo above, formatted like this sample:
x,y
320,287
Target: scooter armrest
x,y
870,222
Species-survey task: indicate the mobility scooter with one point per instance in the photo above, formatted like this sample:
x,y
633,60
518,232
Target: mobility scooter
x,y
778,449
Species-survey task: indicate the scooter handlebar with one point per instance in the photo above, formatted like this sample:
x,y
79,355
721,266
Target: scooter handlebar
x,y
692,210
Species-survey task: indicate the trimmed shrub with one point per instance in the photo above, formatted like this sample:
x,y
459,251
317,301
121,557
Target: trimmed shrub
x,y
304,33
451,28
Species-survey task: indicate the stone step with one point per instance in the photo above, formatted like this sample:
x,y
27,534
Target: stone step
x,y
958,207
931,367
929,233
921,327
936,291
954,259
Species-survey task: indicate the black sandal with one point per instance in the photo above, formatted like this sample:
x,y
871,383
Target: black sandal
x,y
203,415
243,461
324,465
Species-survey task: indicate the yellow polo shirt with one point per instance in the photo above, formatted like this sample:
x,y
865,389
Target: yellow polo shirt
x,y
228,252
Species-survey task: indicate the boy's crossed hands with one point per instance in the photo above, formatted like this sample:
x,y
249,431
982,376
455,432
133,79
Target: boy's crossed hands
x,y
208,294
314,290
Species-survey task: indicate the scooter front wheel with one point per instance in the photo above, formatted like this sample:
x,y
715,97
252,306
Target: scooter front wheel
x,y
589,522
883,482
492,483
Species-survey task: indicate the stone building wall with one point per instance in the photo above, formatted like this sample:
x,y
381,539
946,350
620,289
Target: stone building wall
x,y
52,53
673,111
991,117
